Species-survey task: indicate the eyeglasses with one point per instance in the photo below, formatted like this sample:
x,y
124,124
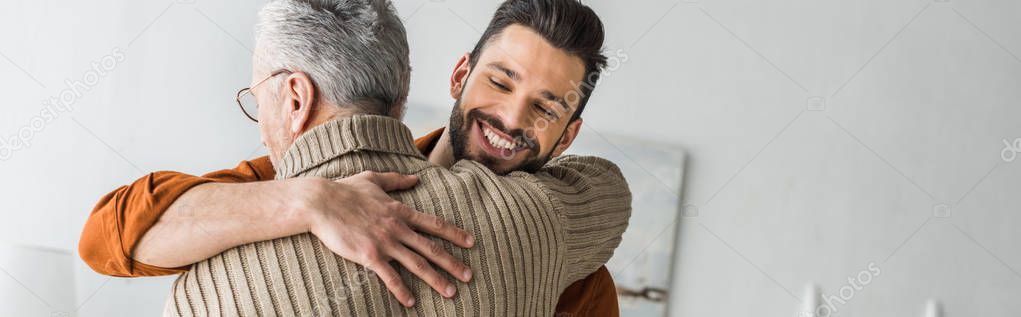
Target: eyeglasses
x,y
246,100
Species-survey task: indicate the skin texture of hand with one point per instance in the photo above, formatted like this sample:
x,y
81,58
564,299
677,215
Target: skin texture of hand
x,y
372,229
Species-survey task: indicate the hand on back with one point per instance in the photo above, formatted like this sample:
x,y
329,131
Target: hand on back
x,y
356,219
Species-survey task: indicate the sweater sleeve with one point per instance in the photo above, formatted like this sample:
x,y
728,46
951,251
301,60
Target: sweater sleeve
x,y
122,217
592,198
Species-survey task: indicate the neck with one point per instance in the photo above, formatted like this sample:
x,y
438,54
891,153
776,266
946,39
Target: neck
x,y
443,153
327,114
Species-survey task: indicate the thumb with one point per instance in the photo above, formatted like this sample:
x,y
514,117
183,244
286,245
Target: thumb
x,y
393,181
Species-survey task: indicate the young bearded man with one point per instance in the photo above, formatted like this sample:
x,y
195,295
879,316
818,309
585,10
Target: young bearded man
x,y
513,111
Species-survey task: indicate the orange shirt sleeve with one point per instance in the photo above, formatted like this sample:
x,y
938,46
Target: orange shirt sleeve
x,y
122,217
596,295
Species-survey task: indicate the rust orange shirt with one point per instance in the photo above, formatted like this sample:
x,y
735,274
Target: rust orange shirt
x,y
122,217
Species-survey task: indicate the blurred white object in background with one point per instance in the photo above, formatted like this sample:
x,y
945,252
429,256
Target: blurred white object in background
x,y
810,301
933,309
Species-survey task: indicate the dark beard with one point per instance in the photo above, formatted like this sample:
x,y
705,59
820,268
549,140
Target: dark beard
x,y
458,133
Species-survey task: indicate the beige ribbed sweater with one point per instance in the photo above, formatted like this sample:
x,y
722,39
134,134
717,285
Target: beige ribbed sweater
x,y
535,235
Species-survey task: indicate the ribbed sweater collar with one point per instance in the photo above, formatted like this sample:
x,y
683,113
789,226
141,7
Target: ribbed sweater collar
x,y
335,138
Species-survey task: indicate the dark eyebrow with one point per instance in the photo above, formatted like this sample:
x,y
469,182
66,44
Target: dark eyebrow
x,y
551,97
510,73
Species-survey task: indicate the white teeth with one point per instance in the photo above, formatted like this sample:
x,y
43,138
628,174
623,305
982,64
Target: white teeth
x,y
499,142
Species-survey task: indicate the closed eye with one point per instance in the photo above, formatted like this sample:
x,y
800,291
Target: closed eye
x,y
498,85
546,112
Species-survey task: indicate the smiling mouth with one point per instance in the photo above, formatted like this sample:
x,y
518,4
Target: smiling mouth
x,y
497,142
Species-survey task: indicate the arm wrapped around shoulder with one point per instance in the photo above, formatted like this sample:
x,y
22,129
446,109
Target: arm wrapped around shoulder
x,y
593,200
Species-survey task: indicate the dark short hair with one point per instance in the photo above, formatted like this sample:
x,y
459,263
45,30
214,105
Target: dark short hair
x,y
568,25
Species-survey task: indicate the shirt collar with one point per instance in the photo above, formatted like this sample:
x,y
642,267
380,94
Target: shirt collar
x,y
427,143
335,138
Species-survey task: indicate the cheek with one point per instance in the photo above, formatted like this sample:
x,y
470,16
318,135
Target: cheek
x,y
269,105
478,95
275,118
266,132
469,102
547,135
272,128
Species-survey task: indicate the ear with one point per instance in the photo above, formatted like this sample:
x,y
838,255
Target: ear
x,y
569,135
300,93
460,76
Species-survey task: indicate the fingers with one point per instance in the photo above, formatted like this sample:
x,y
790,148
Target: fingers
x,y
392,181
438,227
394,283
420,267
435,253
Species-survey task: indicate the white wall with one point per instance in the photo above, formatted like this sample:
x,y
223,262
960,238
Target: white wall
x,y
918,97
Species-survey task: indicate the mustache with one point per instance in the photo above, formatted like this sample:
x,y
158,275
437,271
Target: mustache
x,y
515,134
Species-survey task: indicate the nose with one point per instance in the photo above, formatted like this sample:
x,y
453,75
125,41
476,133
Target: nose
x,y
516,113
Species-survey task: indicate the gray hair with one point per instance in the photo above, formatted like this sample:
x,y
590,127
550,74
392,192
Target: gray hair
x,y
356,51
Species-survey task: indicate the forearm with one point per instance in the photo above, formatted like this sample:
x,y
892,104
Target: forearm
x,y
213,217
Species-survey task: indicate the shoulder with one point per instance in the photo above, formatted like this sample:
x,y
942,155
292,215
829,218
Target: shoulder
x,y
584,165
580,171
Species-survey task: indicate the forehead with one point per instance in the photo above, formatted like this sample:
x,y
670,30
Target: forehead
x,y
538,63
